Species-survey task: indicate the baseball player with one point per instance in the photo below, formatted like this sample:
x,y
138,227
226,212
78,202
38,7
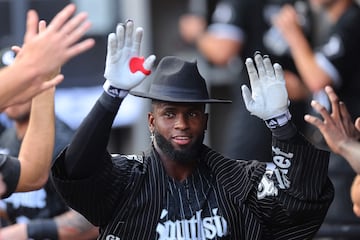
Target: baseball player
x,y
180,188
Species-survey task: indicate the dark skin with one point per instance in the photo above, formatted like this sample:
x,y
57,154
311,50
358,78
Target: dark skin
x,y
182,126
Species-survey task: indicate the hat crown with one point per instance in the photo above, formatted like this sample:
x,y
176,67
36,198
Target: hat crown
x,y
178,79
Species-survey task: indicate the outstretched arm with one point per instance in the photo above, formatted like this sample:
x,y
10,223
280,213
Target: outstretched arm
x,y
42,53
288,22
298,183
124,70
78,169
37,147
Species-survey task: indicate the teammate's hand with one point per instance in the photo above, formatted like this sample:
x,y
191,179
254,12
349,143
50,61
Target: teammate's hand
x,y
124,68
269,97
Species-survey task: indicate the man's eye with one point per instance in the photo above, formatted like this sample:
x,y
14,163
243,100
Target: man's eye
x,y
169,114
193,114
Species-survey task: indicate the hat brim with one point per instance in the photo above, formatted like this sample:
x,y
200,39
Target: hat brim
x,y
177,100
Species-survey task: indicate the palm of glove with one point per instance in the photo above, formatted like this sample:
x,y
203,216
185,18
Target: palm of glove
x,y
269,96
124,68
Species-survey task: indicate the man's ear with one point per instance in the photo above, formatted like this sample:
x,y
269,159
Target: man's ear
x,y
151,121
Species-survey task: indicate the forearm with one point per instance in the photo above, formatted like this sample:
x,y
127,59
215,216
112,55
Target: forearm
x,y
14,79
15,231
37,146
312,75
218,51
89,144
294,156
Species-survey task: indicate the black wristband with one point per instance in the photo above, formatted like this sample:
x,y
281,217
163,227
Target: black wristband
x,y
40,229
285,132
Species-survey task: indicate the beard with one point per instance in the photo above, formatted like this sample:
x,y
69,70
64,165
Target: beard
x,y
185,155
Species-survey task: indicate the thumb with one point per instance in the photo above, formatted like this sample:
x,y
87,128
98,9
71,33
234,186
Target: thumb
x,y
247,96
149,62
357,123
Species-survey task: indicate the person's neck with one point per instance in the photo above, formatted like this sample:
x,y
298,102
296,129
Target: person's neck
x,y
335,11
21,128
175,169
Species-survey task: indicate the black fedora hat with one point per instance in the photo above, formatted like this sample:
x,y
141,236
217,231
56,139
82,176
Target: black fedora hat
x,y
177,80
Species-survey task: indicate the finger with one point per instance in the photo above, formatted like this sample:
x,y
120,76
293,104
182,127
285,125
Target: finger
x,y
321,110
120,34
149,62
52,82
111,44
31,25
334,102
279,73
253,75
313,120
78,33
344,113
247,97
16,49
42,26
269,69
76,25
129,33
79,48
137,42
260,66
59,20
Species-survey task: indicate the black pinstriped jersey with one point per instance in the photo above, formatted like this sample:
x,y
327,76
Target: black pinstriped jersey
x,y
223,199
132,197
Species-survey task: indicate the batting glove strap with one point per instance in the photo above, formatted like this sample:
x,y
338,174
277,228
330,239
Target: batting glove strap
x,y
278,121
114,91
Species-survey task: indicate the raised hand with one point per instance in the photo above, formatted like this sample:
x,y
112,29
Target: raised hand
x,y
55,45
125,69
269,97
337,128
43,52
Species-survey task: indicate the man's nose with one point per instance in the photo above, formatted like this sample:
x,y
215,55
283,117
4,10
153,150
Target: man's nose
x,y
181,121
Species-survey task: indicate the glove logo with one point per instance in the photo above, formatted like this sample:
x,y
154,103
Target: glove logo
x,y
272,123
114,91
136,64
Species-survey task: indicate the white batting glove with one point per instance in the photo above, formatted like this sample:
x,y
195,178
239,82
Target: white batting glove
x,y
269,97
125,69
